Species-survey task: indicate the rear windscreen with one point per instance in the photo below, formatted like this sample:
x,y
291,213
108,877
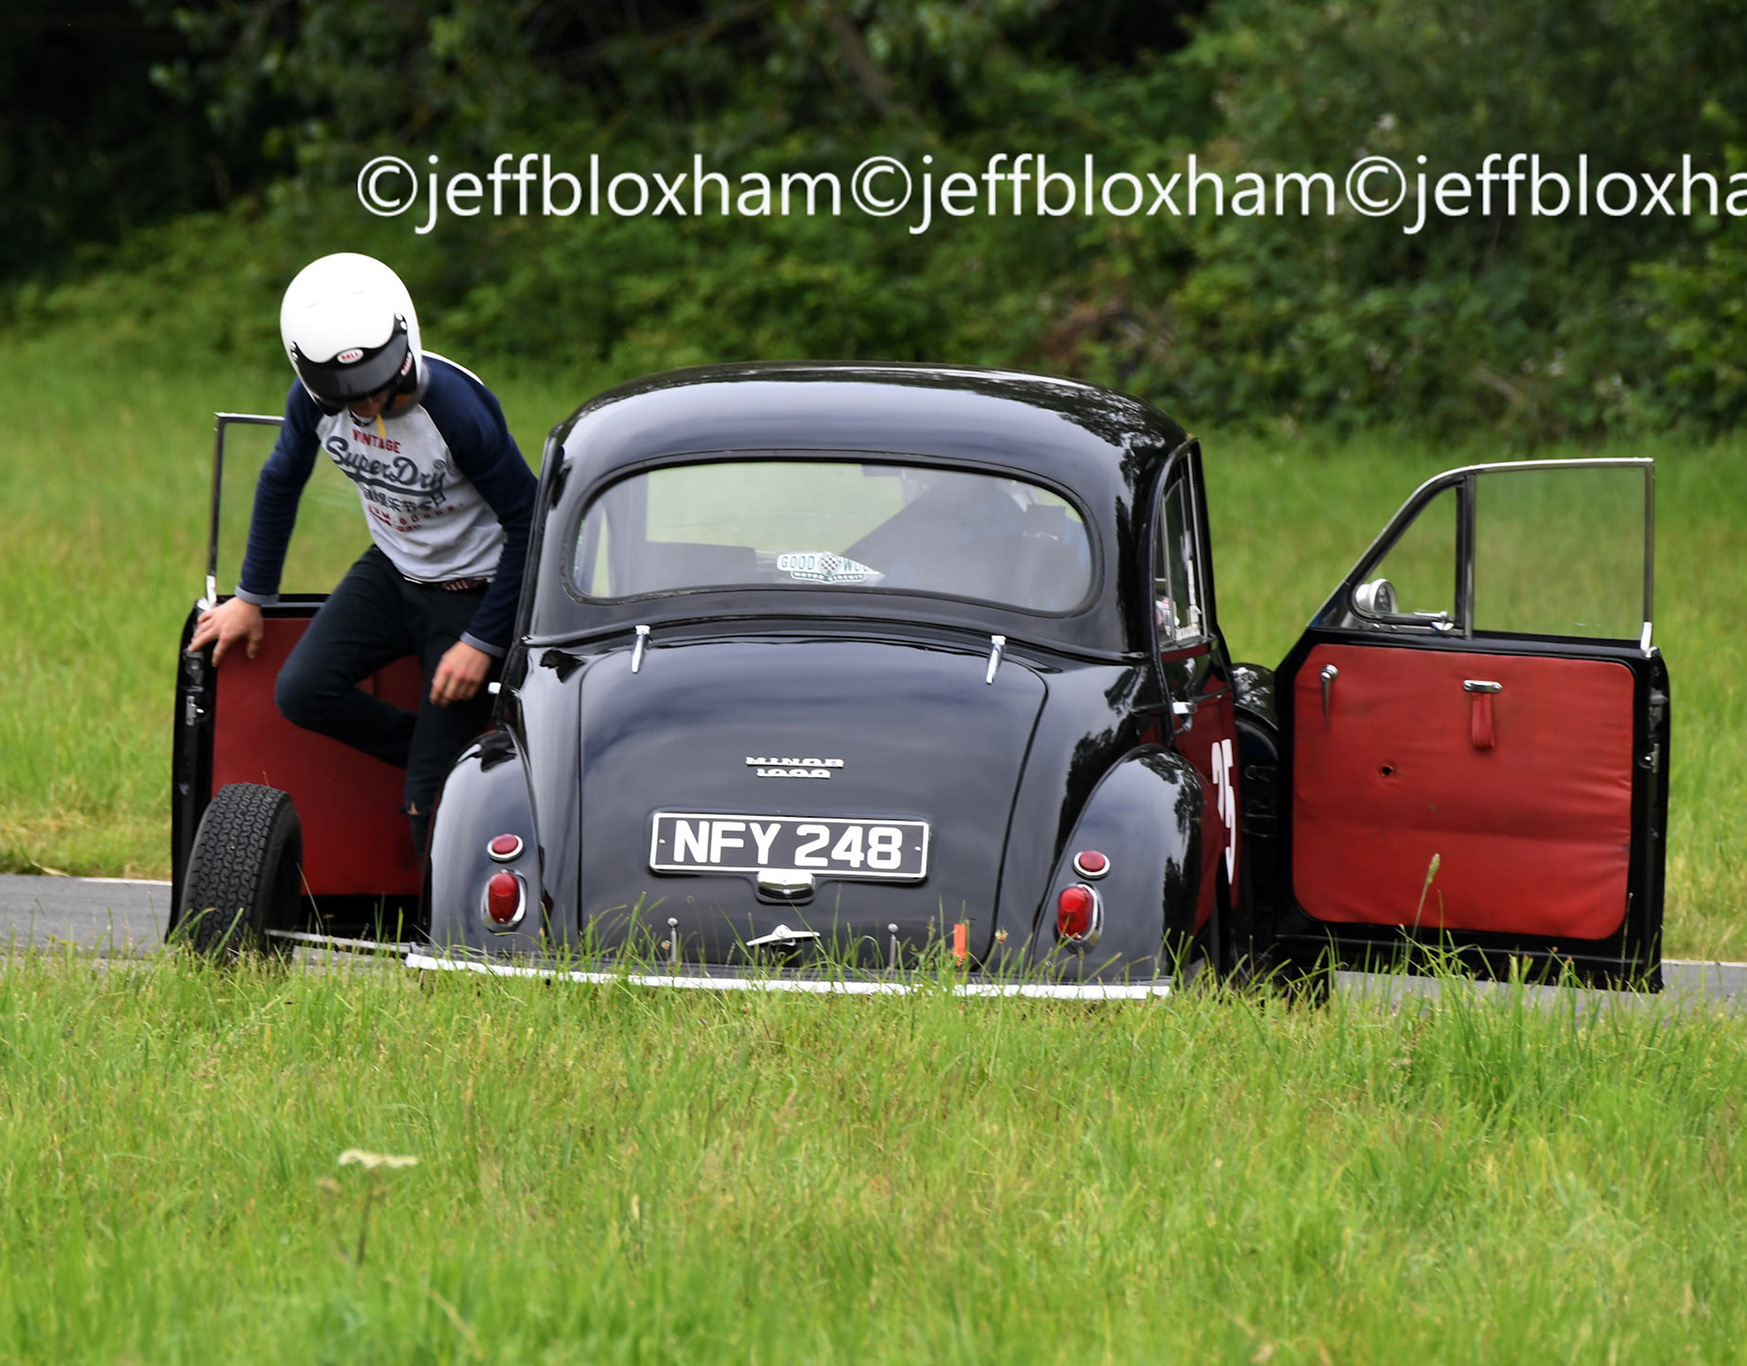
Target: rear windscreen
x,y
806,524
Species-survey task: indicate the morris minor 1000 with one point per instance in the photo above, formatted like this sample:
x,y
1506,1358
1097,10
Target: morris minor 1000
x,y
822,669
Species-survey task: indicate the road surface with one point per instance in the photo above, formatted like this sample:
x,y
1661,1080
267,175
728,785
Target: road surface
x,y
124,917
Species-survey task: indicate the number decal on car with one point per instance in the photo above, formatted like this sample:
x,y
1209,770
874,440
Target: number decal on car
x,y
1226,803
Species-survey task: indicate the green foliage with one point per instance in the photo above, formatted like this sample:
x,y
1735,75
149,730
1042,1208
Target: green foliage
x,y
1699,303
91,148
1537,327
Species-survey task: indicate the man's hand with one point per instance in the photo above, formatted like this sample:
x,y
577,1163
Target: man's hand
x,y
460,674
226,624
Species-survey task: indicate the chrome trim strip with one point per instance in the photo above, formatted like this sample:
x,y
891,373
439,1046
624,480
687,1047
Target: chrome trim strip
x,y
219,422
638,649
1047,991
1467,524
1456,478
329,941
1649,552
997,647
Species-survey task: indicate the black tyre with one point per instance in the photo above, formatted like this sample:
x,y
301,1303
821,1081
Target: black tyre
x,y
245,873
1302,984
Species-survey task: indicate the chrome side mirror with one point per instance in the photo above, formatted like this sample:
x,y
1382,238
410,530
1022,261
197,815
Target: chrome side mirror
x,y
1375,599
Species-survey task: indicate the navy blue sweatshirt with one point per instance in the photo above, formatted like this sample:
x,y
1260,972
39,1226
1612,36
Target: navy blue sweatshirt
x,y
444,489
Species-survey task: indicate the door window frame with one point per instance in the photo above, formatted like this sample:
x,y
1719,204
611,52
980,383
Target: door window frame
x,y
1179,479
1343,610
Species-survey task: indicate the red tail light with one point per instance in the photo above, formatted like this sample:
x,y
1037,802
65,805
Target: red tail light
x,y
505,847
503,899
1076,912
1089,863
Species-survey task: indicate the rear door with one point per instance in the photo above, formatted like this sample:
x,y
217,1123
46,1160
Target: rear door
x,y
1196,675
357,846
1476,729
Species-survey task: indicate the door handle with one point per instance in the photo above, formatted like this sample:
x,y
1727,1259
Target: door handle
x,y
1328,676
1480,727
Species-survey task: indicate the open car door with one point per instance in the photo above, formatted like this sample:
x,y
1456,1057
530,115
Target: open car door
x,y
359,867
1475,733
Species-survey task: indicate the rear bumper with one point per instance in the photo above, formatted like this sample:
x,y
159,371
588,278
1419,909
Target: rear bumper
x,y
871,984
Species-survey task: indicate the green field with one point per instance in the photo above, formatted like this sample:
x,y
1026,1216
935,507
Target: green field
x,y
105,488
627,1175
608,1173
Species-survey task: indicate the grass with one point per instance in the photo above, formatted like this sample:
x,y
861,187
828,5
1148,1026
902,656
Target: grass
x,y
629,1175
621,1174
106,481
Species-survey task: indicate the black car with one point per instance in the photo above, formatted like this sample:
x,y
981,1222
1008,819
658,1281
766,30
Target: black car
x,y
826,672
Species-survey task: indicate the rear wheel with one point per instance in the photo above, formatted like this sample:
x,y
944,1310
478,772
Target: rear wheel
x,y
245,872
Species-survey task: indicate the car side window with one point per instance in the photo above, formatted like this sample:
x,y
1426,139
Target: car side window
x,y
1535,549
1177,598
1420,569
1560,552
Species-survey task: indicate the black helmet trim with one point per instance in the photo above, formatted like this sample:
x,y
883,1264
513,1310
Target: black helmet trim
x,y
358,371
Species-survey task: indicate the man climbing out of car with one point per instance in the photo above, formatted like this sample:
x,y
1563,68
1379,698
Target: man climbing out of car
x,y
449,501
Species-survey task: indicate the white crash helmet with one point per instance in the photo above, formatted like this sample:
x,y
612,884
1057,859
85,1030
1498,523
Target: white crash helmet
x,y
350,330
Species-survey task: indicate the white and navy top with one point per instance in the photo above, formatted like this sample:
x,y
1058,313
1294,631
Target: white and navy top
x,y
445,491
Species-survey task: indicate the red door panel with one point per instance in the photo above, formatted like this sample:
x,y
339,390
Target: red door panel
x,y
1525,795
355,839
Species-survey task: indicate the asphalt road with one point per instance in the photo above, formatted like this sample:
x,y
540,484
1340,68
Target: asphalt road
x,y
119,917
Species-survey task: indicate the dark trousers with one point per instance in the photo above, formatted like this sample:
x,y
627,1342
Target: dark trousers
x,y
373,618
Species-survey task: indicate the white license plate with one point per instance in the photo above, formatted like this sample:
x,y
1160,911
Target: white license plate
x,y
834,846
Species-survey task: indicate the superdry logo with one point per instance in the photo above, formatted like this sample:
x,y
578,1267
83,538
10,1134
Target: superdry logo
x,y
792,768
401,475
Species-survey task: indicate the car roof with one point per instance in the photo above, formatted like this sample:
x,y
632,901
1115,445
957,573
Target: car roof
x,y
1062,429
1103,447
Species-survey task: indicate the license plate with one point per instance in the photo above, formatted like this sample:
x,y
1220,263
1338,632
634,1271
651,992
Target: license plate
x,y
834,846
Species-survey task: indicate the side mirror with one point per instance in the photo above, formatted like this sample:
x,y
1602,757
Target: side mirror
x,y
1375,599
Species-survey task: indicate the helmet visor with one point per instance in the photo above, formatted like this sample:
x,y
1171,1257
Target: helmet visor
x,y
356,372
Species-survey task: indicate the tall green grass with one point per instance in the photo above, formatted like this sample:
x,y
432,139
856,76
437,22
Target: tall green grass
x,y
105,483
619,1174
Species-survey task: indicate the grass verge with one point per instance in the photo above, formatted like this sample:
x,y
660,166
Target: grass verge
x,y
626,1174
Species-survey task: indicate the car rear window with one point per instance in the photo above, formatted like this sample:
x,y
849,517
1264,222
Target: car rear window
x,y
807,524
